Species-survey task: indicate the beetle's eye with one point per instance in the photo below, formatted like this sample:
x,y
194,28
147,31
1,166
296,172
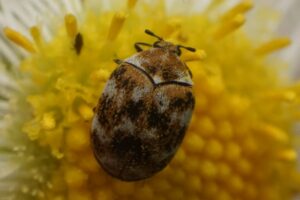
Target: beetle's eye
x,y
178,52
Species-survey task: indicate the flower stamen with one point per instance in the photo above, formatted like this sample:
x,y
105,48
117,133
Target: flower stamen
x,y
286,96
71,25
229,26
116,25
194,56
287,155
19,39
36,34
273,133
131,4
240,8
273,45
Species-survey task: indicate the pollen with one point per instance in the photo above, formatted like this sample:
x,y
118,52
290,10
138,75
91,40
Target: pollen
x,y
75,177
48,121
86,112
240,143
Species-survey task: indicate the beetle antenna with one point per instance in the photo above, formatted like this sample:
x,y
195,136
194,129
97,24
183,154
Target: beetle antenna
x,y
187,48
152,34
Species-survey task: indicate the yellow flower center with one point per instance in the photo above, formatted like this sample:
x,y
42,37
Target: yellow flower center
x,y
240,141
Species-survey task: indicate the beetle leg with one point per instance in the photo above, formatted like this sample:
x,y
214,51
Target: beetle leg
x,y
138,45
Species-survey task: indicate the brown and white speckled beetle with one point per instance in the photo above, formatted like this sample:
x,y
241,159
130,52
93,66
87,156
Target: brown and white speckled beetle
x,y
144,111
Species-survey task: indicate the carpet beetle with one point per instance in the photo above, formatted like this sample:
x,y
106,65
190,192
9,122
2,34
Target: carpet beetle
x,y
144,111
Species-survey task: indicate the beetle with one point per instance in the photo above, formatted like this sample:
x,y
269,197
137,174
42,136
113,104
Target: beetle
x,y
143,113
78,43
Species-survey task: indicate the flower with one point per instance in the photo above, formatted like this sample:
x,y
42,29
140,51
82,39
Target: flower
x,y
240,142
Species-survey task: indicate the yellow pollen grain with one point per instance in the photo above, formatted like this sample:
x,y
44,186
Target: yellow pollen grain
x,y
19,39
35,34
238,105
131,4
48,121
57,153
224,130
273,45
180,157
213,149
218,111
242,7
75,177
178,176
213,86
244,166
208,169
193,164
85,111
32,131
232,151
228,27
116,25
224,171
206,126
250,145
101,75
76,139
71,25
194,143
236,183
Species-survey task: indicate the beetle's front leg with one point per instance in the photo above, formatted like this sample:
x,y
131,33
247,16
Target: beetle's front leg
x,y
138,45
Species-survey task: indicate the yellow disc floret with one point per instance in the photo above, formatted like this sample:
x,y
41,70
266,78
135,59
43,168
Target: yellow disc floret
x,y
239,144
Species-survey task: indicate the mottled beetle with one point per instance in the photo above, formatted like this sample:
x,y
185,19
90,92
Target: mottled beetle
x,y
144,111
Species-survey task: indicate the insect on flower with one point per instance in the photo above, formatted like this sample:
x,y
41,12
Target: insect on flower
x,y
143,113
78,43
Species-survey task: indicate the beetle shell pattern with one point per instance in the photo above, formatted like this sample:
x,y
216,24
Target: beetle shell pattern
x,y
142,115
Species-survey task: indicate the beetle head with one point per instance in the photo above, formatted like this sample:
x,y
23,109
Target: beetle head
x,y
161,43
